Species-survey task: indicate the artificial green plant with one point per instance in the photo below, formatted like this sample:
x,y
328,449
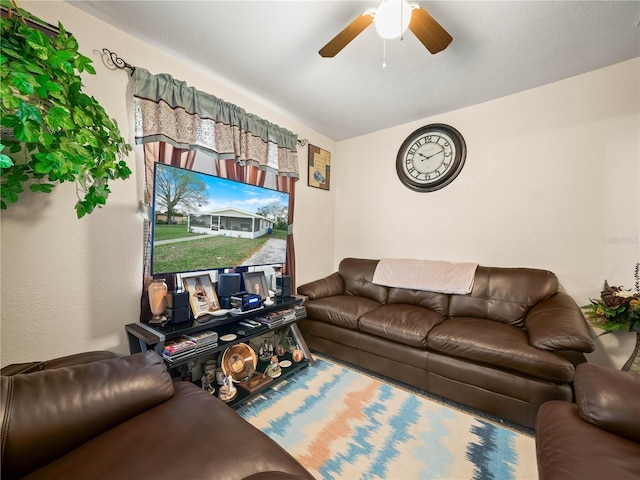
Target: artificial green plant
x,y
617,308
52,132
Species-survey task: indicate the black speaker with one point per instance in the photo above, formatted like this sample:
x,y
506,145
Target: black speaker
x,y
179,314
283,283
228,284
177,299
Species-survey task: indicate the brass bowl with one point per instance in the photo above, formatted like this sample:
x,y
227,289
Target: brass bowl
x,y
239,361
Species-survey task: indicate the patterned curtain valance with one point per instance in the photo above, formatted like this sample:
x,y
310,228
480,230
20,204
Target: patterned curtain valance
x,y
168,110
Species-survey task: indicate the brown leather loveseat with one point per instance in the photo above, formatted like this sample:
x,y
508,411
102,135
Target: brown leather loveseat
x,y
597,437
90,417
505,348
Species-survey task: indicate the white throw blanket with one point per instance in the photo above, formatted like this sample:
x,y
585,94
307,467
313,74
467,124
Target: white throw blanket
x,y
429,275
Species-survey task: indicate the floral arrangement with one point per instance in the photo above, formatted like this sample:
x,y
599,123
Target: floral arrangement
x,y
617,308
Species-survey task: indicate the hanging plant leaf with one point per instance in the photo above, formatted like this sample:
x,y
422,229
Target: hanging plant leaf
x,y
52,131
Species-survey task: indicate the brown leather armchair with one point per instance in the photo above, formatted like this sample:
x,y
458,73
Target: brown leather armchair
x,y
598,436
91,416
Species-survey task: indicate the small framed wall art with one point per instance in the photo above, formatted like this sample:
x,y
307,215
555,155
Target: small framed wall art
x,y
202,296
319,168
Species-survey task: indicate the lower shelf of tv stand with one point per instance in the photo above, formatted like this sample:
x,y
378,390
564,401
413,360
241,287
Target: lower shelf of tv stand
x,y
244,396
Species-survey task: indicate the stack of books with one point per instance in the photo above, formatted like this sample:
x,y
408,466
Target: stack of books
x,y
204,341
278,318
178,348
301,312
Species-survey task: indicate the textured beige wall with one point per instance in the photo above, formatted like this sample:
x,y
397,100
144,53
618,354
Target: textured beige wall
x,y
552,180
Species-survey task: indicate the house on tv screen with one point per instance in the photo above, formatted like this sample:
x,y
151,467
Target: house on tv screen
x,y
230,221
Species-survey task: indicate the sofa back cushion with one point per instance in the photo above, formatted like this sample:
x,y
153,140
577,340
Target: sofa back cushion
x,y
504,294
49,413
438,302
357,274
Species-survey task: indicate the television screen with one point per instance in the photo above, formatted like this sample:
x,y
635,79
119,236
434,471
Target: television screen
x,y
204,222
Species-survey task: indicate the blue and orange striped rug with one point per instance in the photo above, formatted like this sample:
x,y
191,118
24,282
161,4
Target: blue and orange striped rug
x,y
343,424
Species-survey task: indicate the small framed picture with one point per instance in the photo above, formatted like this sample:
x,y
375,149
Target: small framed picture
x,y
202,296
256,283
319,168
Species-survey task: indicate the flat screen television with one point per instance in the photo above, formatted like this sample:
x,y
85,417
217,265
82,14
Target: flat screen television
x,y
203,222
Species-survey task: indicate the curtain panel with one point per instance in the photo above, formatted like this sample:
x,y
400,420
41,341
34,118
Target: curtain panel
x,y
168,110
175,122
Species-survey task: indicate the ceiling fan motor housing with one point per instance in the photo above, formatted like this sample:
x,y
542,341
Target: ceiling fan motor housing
x,y
392,18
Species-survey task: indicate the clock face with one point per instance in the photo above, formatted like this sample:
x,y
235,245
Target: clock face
x,y
431,157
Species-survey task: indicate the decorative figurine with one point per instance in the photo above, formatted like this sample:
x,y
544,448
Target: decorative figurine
x,y
273,370
266,351
228,390
206,383
297,355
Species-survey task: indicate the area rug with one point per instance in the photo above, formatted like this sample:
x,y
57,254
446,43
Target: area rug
x,y
343,424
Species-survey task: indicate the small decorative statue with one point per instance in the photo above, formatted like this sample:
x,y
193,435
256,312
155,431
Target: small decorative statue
x,y
228,390
273,370
297,355
207,382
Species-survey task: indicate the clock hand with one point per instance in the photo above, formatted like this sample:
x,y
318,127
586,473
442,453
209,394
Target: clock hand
x,y
427,158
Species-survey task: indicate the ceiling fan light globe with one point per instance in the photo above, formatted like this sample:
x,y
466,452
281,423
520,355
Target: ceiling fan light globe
x,y
392,18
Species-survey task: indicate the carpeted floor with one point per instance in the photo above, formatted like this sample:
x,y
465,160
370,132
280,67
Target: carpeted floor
x,y
343,424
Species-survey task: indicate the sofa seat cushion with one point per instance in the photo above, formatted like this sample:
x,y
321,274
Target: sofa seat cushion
x,y
497,344
341,310
406,324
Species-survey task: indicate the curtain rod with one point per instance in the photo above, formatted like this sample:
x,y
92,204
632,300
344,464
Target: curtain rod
x,y
117,61
122,65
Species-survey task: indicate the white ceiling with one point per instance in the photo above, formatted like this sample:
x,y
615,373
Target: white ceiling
x,y
270,50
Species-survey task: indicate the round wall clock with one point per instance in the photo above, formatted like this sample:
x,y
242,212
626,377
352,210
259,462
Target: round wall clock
x,y
431,157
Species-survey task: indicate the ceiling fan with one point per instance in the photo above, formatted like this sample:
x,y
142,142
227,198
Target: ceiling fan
x,y
391,19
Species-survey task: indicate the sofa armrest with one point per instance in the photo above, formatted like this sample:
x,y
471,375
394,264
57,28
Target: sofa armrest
x,y
46,414
557,323
608,399
325,287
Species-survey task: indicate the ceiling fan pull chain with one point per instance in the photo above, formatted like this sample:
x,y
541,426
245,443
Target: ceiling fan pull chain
x,y
400,19
384,53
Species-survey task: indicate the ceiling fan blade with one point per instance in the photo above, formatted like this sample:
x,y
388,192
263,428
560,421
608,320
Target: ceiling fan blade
x,y
428,31
350,32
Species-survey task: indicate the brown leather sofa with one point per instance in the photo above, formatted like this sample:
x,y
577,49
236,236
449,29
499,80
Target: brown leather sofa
x,y
597,437
88,416
506,348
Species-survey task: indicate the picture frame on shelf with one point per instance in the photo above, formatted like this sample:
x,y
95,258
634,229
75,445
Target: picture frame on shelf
x,y
202,295
319,173
255,283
